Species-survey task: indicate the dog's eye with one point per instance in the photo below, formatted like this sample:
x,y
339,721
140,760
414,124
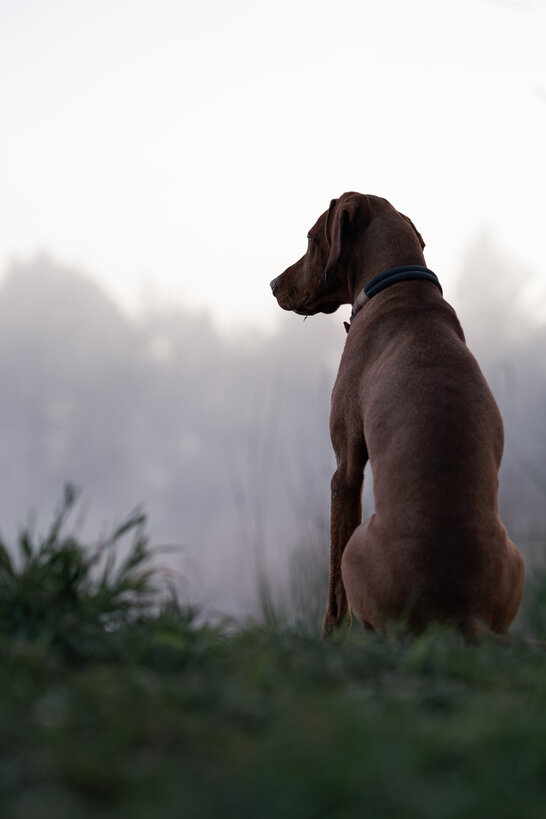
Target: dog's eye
x,y
309,239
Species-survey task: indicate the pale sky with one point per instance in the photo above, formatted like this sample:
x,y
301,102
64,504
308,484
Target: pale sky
x,y
178,152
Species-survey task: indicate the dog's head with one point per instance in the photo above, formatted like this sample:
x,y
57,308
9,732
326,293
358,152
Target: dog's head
x,y
318,282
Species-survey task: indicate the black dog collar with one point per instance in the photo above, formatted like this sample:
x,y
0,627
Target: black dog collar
x,y
406,273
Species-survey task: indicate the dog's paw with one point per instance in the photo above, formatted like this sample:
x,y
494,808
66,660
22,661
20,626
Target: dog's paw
x,y
333,622
328,626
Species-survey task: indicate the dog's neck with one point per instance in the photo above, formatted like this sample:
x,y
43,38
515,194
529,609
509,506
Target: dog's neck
x,y
404,273
389,241
395,275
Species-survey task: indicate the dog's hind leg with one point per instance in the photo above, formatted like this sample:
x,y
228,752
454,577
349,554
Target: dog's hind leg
x,y
357,571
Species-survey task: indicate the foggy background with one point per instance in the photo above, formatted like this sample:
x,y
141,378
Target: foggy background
x,y
224,440
160,163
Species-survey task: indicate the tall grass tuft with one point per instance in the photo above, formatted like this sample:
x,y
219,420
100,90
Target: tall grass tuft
x,y
66,594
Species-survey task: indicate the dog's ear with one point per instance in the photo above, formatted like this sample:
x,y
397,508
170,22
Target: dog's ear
x,y
415,229
341,214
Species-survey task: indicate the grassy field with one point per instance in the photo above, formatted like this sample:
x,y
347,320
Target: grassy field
x,y
113,706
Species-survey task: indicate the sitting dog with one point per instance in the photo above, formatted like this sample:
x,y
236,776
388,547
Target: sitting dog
x,y
410,397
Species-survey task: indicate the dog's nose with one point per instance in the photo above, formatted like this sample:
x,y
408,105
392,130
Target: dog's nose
x,y
273,284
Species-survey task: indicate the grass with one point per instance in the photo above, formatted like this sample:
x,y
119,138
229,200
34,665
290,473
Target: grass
x,y
115,705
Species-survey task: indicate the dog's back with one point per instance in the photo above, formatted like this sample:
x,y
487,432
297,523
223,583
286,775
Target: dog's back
x,y
434,437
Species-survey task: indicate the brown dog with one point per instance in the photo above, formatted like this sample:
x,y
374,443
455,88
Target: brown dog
x,y
410,397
